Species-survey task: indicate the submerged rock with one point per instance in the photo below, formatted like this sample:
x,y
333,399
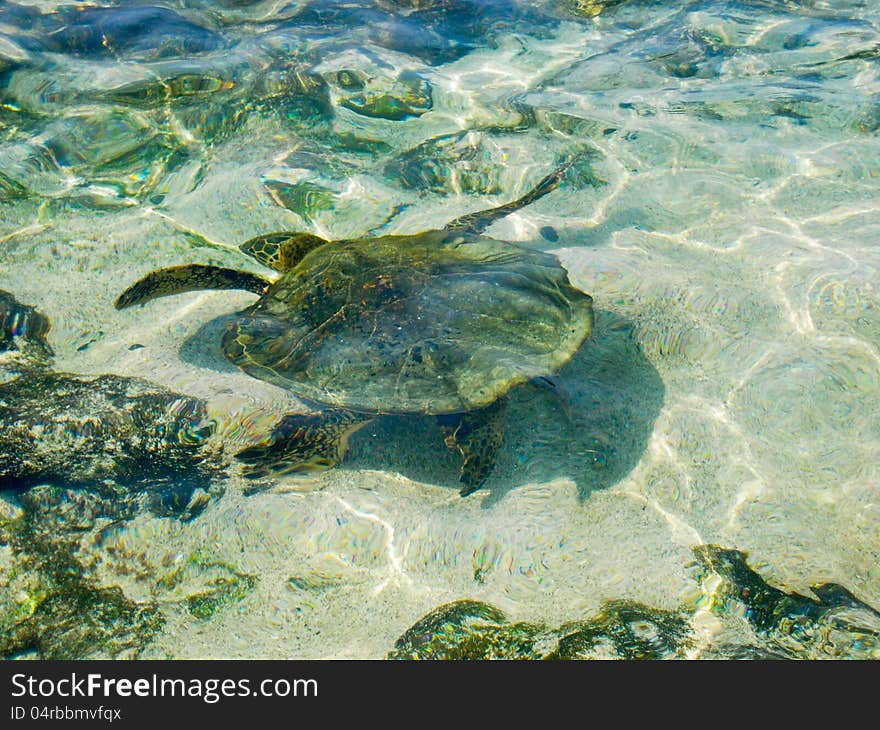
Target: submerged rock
x,y
23,326
474,630
626,630
124,439
467,630
406,97
834,624
434,31
104,433
295,94
80,456
459,162
139,32
111,155
48,605
588,8
171,84
204,585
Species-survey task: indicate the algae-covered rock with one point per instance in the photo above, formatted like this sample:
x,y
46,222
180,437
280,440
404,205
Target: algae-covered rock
x,y
461,162
589,8
306,199
473,630
626,630
476,162
114,151
135,32
66,588
204,585
105,433
294,94
834,624
49,607
408,96
124,440
181,87
467,630
22,326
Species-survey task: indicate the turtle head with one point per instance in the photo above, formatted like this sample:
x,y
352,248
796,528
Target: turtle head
x,y
262,345
281,251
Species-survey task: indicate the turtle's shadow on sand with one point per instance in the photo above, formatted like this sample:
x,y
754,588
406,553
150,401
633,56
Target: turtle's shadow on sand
x,y
202,349
594,430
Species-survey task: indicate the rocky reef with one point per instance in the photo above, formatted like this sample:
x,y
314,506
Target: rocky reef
x,y
80,455
834,624
123,439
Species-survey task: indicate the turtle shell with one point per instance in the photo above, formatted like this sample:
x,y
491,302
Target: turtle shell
x,y
438,322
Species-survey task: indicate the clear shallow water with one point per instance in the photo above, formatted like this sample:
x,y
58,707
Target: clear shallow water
x,y
725,222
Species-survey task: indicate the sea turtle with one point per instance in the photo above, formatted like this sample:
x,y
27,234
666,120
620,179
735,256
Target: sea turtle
x,y
442,323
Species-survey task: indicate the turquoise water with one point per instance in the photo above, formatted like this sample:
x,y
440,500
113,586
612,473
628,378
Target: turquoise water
x,y
724,217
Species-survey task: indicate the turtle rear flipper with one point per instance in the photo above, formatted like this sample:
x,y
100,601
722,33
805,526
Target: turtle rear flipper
x,y
477,435
281,251
302,443
191,277
476,223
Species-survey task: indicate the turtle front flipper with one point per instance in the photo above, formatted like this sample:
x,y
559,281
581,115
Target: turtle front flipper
x,y
477,435
301,443
281,251
191,277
